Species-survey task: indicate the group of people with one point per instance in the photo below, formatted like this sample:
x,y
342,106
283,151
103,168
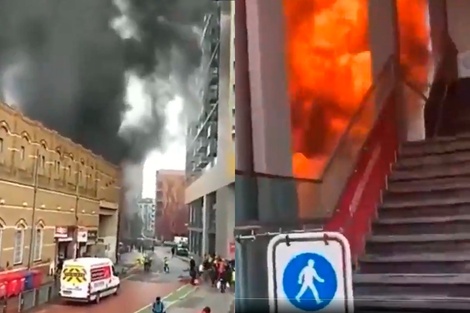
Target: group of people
x,y
220,272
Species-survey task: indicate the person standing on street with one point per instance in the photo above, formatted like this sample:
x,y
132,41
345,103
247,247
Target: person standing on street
x,y
158,306
192,264
173,250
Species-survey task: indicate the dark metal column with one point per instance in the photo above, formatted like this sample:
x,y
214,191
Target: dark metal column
x,y
246,210
263,201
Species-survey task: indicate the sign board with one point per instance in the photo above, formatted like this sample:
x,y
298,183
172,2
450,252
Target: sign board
x,y
92,235
310,272
61,232
82,235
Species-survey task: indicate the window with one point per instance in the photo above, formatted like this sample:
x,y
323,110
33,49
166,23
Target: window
x,y
58,166
43,161
1,145
69,169
38,243
19,245
22,152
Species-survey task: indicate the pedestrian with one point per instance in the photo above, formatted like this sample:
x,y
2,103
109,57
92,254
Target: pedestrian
x,y
173,251
192,274
213,274
158,306
192,264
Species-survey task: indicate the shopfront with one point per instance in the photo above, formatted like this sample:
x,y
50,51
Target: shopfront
x,y
63,236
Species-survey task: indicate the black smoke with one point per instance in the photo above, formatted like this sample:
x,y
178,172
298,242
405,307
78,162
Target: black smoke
x,y
66,66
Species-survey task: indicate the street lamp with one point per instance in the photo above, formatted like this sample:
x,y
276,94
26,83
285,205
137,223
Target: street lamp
x,y
36,158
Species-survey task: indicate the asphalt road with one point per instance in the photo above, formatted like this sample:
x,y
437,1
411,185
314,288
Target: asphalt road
x,y
138,289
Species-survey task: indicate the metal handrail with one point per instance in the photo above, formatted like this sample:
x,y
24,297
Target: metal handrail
x,y
439,112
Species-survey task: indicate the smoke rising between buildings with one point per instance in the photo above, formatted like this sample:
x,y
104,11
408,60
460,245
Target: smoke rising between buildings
x,y
67,64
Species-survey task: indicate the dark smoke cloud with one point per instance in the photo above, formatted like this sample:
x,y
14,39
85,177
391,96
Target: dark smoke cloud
x,y
66,66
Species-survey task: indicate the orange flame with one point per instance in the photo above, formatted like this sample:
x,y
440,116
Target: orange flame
x,y
329,71
414,40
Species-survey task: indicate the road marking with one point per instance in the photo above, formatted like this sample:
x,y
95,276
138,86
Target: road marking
x,y
169,295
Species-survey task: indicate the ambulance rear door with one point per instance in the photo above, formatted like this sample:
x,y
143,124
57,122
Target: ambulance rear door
x,y
74,281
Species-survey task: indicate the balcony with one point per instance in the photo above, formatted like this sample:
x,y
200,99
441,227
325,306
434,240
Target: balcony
x,y
202,161
214,75
201,145
202,118
212,149
214,63
212,130
195,169
213,95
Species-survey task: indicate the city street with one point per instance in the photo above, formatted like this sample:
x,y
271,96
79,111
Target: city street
x,y
138,289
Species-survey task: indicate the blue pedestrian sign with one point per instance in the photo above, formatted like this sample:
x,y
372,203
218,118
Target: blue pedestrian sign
x,y
310,272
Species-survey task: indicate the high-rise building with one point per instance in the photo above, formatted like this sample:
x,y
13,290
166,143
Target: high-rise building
x,y
171,212
147,214
210,143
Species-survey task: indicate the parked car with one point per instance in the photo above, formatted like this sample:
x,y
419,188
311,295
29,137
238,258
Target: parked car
x,y
182,251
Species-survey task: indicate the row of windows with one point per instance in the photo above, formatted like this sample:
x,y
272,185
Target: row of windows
x,y
56,167
19,244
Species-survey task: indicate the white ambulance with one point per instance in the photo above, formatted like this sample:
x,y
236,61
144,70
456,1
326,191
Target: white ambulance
x,y
88,279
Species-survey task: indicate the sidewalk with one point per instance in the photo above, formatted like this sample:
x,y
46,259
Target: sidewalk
x,y
202,297
127,262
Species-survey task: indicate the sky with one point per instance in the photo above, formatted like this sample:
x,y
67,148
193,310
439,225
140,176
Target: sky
x,y
172,156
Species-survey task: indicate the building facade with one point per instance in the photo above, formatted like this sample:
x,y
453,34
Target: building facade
x,y
147,213
171,212
57,199
210,157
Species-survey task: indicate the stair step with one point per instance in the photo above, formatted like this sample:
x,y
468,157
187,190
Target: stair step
x,y
413,279
422,243
416,263
429,185
440,139
412,286
410,303
444,170
428,196
435,147
422,225
435,210
432,160
465,198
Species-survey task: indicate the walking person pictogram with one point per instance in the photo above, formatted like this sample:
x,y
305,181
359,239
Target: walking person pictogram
x,y
307,278
309,282
310,272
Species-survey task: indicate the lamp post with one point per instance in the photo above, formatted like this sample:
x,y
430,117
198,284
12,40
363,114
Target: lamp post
x,y
77,200
33,214
32,246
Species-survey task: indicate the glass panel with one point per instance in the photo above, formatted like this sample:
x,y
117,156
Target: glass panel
x,y
329,71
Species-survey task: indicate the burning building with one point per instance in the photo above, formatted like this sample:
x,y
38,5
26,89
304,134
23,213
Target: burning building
x,y
171,212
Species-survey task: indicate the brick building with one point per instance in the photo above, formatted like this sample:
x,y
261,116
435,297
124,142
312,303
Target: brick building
x,y
171,213
56,197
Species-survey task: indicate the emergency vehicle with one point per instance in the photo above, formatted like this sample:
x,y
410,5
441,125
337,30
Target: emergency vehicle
x,y
88,279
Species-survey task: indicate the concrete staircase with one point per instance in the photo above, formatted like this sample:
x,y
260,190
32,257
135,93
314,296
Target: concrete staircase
x,y
418,253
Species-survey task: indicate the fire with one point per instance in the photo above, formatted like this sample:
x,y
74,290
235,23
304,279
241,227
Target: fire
x,y
329,71
415,40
